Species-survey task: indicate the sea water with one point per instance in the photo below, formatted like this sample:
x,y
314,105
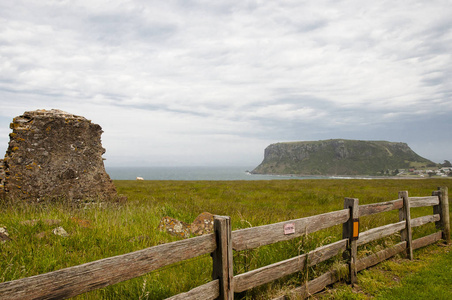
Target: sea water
x,y
193,173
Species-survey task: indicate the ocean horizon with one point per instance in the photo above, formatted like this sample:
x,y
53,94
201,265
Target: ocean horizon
x,y
195,173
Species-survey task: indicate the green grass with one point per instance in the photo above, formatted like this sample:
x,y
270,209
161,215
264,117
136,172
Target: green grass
x,y
432,280
122,227
428,276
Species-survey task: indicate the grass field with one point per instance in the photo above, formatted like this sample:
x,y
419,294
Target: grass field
x,y
99,230
428,276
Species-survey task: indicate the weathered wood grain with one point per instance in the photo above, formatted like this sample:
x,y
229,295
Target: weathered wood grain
x,y
437,210
254,237
424,220
380,232
380,256
405,215
76,280
326,252
208,291
427,240
245,281
375,208
312,287
222,257
423,201
319,283
444,223
347,232
277,270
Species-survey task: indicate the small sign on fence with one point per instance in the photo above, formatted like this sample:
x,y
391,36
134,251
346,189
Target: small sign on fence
x,y
289,228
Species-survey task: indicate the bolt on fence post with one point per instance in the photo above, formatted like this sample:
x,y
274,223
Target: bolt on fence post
x,y
222,257
406,234
443,210
350,232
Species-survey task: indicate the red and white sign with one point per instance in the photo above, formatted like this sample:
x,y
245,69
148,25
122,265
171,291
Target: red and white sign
x,y
289,228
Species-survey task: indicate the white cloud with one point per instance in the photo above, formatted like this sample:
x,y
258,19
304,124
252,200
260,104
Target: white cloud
x,y
252,72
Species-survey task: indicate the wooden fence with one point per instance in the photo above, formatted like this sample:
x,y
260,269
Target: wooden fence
x,y
76,280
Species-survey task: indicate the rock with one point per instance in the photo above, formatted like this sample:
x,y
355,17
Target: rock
x,y
203,224
60,231
4,235
174,227
338,157
53,154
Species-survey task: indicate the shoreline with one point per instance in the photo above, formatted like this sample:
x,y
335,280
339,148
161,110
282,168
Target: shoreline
x,y
352,176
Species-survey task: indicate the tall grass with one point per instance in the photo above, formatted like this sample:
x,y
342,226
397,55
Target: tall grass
x,y
99,230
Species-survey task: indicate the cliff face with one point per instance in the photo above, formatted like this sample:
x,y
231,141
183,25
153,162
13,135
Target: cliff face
x,y
337,157
53,154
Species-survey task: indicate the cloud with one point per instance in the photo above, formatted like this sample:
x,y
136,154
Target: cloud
x,y
180,73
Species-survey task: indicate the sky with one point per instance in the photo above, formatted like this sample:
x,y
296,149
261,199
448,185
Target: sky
x,y
212,83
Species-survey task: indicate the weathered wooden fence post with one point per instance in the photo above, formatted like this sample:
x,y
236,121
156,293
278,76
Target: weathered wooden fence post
x,y
350,231
406,234
222,257
443,210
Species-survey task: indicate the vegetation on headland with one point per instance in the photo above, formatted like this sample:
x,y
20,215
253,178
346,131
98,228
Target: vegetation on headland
x,y
99,230
344,157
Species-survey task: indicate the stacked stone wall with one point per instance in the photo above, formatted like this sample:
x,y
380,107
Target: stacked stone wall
x,y
54,154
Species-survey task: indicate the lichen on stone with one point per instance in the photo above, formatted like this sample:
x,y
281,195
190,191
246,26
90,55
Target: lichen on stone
x,y
40,162
203,224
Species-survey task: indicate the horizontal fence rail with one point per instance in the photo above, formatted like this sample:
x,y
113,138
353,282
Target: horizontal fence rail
x,y
380,232
375,208
427,240
73,281
275,271
423,201
208,291
254,237
76,280
425,220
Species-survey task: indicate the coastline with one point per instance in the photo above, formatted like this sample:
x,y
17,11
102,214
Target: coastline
x,y
224,174
336,176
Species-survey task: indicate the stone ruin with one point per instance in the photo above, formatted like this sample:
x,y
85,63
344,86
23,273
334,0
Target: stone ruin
x,y
203,224
53,154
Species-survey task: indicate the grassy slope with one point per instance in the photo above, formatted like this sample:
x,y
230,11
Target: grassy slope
x,y
431,280
428,276
118,228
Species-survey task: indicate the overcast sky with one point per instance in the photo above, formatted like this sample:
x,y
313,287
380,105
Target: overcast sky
x,y
214,82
